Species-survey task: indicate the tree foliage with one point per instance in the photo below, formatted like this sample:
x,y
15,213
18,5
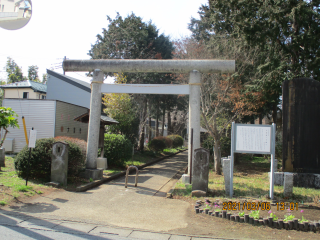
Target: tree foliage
x,y
33,73
284,31
131,38
14,72
8,118
119,106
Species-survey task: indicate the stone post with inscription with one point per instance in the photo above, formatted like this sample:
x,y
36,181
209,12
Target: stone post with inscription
x,y
200,171
226,174
59,163
288,185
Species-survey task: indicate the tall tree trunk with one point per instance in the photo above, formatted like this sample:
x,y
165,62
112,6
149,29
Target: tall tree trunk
x,y
274,112
150,130
141,140
217,155
169,131
163,119
260,118
217,147
141,137
157,121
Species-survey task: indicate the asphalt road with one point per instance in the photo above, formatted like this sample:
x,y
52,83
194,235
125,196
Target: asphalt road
x,y
14,24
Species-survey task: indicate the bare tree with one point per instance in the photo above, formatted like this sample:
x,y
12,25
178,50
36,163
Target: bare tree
x,y
224,97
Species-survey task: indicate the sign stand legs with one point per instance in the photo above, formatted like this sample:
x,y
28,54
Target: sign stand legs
x,y
273,143
232,159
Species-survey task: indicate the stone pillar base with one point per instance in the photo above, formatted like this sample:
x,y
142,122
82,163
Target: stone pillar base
x,y
2,157
185,179
102,163
94,174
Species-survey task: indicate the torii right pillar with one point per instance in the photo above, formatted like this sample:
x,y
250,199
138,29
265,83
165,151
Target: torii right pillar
x,y
194,116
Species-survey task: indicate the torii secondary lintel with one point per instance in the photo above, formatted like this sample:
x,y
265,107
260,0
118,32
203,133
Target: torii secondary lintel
x,y
98,67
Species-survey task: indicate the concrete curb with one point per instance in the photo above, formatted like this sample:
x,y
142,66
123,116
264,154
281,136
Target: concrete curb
x,y
177,176
97,183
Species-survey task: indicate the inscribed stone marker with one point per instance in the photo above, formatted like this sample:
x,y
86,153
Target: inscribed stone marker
x,y
226,174
59,163
288,184
200,169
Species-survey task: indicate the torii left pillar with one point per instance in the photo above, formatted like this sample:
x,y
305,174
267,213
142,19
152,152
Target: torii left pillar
x,y
94,127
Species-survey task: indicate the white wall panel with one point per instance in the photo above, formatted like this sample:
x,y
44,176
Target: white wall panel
x,y
39,114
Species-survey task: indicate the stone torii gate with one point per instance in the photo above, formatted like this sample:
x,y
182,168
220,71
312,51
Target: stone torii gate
x,y
193,67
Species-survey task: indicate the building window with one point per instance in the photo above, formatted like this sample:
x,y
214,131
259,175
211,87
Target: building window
x,y
25,95
43,97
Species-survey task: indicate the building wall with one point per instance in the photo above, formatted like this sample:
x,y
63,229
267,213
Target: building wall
x,y
58,89
39,114
65,124
18,93
8,6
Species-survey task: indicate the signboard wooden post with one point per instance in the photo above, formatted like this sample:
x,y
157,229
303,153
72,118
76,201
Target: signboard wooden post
x,y
31,144
253,138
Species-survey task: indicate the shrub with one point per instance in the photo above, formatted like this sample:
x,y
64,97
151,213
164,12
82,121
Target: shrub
x,y
166,140
225,145
208,143
156,145
177,140
117,148
40,160
81,143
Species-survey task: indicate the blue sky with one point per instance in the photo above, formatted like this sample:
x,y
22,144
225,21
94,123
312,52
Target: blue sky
x,y
68,28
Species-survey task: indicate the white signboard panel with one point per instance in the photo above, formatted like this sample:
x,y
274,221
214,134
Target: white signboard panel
x,y
253,139
32,138
249,138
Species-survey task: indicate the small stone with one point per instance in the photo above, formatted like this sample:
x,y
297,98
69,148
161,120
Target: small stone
x,y
53,184
198,193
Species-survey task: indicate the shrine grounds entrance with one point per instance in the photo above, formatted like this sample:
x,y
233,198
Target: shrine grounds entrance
x,y
98,67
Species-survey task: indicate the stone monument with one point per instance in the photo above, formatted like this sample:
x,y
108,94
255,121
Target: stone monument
x,y
200,171
59,163
301,128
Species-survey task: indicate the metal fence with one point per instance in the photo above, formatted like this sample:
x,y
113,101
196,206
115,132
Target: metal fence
x,y
8,14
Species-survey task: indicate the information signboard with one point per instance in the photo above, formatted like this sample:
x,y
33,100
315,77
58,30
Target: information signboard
x,y
32,138
253,139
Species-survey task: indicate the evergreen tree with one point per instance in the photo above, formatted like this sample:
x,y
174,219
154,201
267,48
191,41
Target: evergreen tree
x,y
33,73
285,31
131,38
14,72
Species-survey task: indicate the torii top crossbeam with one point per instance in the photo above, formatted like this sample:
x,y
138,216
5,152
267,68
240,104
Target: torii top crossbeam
x,y
141,65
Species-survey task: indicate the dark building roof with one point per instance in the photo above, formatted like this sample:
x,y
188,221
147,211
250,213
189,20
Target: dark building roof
x,y
35,86
105,120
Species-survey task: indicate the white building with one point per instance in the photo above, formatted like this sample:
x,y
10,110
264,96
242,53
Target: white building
x,y
12,9
65,99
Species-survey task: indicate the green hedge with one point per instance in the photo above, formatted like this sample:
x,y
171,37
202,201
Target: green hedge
x,y
177,140
166,140
117,149
157,145
40,160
